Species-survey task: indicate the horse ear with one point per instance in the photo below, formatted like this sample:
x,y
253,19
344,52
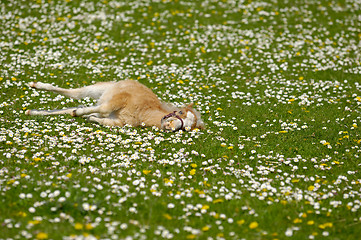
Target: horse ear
x,y
190,105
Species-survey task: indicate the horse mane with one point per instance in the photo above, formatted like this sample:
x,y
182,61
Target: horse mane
x,y
168,107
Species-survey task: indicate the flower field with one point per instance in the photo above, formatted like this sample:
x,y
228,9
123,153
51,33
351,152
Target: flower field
x,y
278,84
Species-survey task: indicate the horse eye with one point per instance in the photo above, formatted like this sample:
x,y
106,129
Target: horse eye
x,y
180,112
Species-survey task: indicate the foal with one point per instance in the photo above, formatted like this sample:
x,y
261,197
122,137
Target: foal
x,y
124,102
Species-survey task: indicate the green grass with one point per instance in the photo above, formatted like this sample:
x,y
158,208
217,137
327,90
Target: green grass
x,y
278,86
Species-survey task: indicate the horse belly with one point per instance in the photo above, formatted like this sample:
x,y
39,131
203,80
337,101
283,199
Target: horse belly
x,y
128,117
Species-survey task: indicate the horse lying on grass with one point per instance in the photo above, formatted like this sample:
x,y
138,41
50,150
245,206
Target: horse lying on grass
x,y
124,102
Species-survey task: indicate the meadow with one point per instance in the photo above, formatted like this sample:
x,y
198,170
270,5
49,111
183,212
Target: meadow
x,y
278,84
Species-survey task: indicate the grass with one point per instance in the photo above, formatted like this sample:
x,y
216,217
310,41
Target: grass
x,y
278,86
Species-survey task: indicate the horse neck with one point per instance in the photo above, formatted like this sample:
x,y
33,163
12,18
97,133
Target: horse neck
x,y
153,117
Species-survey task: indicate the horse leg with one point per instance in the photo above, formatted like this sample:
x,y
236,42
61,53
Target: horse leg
x,y
93,91
106,121
50,112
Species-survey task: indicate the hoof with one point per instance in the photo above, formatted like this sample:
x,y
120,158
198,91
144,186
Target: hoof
x,y
32,85
27,112
73,113
90,119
